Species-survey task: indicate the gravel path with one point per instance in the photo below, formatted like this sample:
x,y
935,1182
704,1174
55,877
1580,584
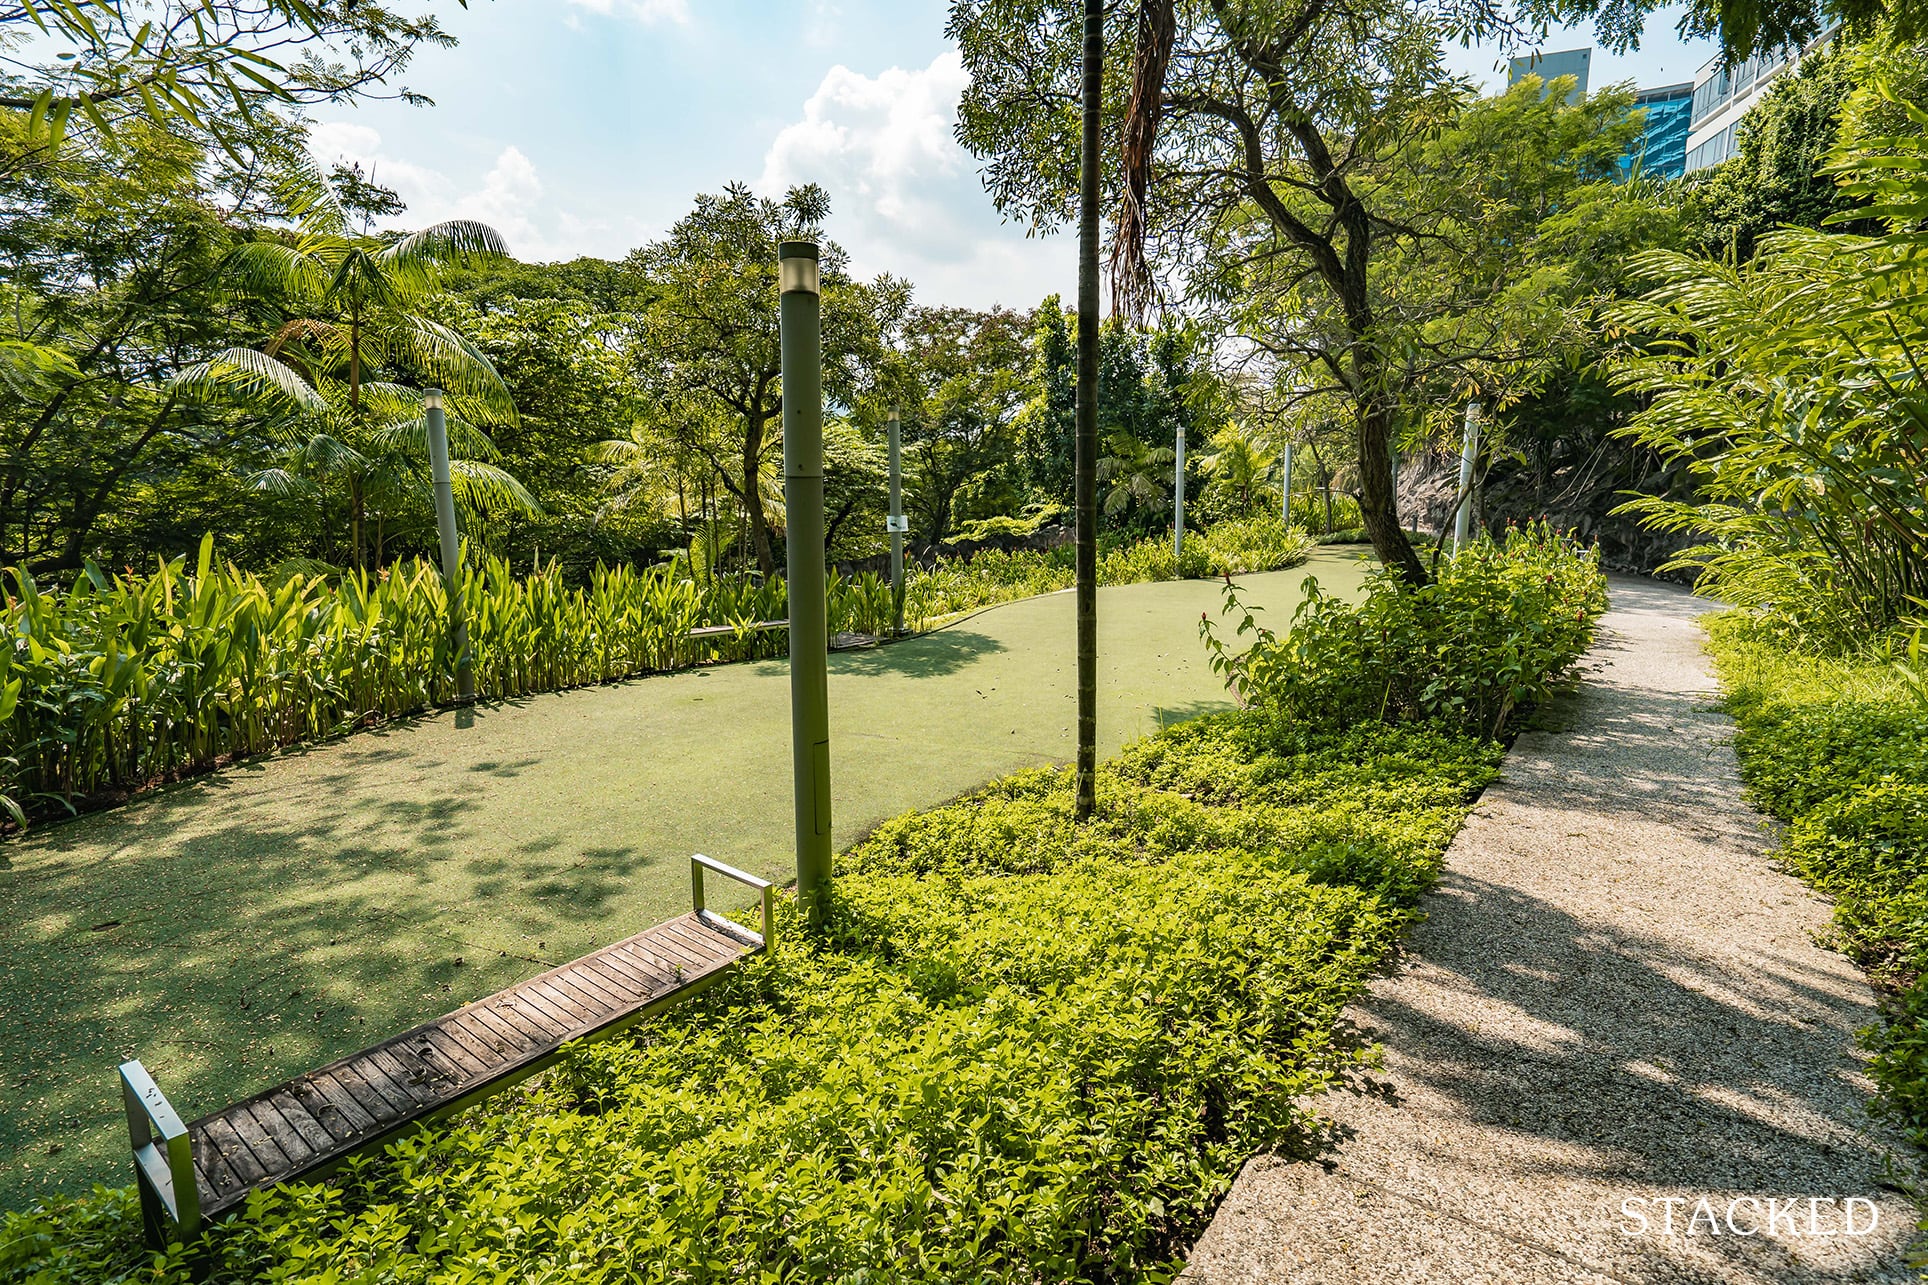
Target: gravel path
x,y
1616,1000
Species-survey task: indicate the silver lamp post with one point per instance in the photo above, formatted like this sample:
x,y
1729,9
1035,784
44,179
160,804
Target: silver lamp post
x,y
1468,452
1285,488
1178,497
438,456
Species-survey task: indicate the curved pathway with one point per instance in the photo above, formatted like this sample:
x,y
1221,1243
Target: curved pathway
x,y
1615,1011
240,928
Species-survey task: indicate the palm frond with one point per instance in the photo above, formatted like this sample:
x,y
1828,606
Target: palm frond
x,y
249,377
304,191
416,258
28,369
279,481
486,488
456,365
271,270
410,437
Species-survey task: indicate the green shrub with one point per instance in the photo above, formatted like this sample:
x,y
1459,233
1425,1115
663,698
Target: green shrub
x,y
1024,1051
1838,748
1499,628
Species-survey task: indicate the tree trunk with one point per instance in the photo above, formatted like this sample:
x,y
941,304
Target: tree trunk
x,y
753,422
1085,478
1377,504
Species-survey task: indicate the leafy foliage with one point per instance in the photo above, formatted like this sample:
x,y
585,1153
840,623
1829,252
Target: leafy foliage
x,y
122,681
1024,1050
1791,388
210,65
1839,750
1494,634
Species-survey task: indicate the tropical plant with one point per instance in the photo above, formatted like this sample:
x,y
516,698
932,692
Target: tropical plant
x,y
1240,463
113,683
351,308
1134,473
1791,388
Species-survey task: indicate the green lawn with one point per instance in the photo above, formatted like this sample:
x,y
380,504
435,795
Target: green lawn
x,y
235,930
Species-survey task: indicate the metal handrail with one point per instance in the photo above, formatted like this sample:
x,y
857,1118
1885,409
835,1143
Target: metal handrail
x,y
699,863
754,627
163,1156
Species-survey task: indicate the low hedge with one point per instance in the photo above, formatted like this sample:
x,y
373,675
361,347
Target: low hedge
x,y
1838,749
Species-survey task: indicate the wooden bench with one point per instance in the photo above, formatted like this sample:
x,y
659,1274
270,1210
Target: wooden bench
x,y
190,1173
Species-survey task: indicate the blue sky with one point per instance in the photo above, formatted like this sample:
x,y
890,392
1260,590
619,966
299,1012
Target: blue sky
x,y
586,127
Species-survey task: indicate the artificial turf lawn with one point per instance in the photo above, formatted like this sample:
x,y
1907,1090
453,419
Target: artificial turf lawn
x,y
238,929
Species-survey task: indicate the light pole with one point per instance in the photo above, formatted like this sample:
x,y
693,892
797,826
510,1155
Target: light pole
x,y
1178,498
896,524
1285,487
802,365
438,456
1468,450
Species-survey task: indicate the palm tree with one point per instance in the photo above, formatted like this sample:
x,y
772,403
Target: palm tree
x,y
1135,473
353,332
1241,463
1084,486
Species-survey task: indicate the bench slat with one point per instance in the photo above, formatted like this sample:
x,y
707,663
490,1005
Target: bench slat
x,y
303,1128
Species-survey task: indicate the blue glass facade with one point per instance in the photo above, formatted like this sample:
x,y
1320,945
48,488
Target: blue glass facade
x,y
1661,149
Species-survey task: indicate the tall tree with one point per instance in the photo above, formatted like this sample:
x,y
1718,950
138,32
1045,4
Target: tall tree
x,y
353,329
967,380
709,340
1260,155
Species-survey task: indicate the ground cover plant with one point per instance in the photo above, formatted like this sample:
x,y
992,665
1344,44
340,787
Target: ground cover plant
x,y
1025,1048
1838,749
115,683
1028,1049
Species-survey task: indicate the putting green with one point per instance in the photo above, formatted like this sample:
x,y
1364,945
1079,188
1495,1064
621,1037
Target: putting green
x,y
237,929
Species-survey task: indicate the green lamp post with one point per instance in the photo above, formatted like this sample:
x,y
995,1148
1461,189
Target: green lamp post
x,y
896,523
802,364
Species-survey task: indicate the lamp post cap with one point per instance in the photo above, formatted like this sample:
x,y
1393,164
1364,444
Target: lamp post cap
x,y
432,398
796,249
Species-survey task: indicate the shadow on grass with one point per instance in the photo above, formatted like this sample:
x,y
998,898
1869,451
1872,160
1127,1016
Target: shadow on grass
x,y
254,951
932,656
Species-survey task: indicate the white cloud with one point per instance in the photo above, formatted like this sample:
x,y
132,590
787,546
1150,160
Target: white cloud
x,y
905,195
508,196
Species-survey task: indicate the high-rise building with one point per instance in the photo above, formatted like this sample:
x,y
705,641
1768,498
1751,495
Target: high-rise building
x,y
1661,150
1570,62
1724,96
